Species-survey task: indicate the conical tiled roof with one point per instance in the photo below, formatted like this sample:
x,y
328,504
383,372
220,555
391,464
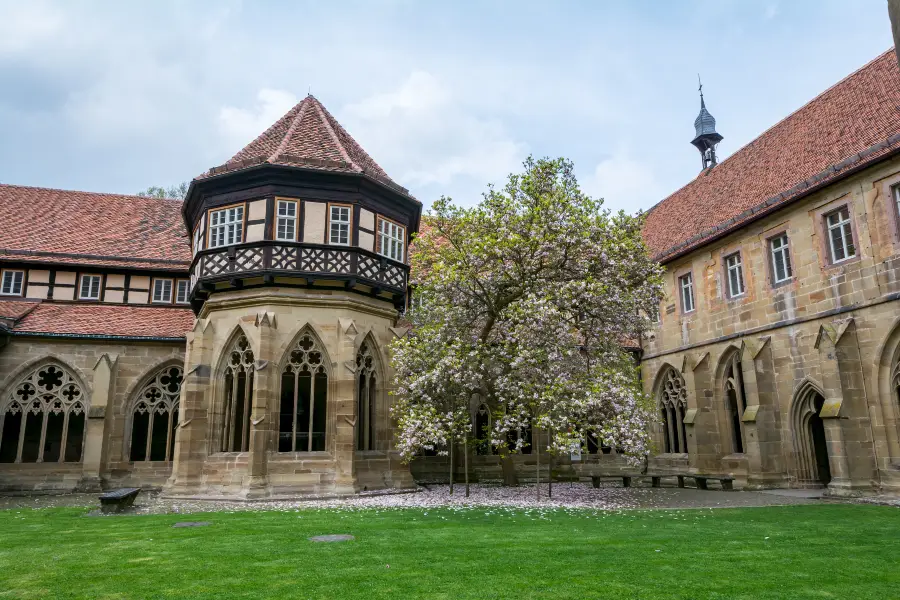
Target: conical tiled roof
x,y
307,136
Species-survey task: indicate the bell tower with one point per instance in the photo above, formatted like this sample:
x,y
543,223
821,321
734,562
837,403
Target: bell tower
x,y
706,138
300,268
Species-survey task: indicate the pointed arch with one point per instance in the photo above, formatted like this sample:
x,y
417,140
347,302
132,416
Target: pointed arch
x,y
303,405
670,391
284,351
43,414
808,432
731,398
888,385
483,424
369,384
153,412
237,368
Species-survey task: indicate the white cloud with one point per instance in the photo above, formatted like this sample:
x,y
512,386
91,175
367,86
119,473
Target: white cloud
x,y
25,25
240,126
624,183
423,135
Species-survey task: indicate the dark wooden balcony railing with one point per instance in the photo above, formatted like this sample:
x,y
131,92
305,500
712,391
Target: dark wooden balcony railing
x,y
312,261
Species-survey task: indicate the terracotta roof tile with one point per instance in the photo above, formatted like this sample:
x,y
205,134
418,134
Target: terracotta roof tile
x,y
307,136
852,124
103,320
15,309
112,229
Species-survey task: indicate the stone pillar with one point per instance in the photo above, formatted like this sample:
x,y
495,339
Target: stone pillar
x,y
343,405
831,410
98,417
191,444
400,475
858,442
761,417
264,408
701,422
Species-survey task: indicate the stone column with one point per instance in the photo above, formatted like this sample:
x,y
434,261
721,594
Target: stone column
x,y
191,444
343,407
831,410
96,423
761,417
264,408
701,422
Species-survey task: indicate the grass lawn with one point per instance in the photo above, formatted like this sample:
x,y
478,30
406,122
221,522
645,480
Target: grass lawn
x,y
832,551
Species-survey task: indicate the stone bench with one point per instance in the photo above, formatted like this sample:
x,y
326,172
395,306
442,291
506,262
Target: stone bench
x,y
118,500
726,481
656,479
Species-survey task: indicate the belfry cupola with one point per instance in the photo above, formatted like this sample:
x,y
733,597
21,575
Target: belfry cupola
x,y
706,138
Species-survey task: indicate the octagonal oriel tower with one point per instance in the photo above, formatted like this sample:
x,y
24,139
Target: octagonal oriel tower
x,y
299,270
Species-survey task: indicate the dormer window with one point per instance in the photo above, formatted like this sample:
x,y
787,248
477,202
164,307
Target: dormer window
x,y
162,291
286,223
90,287
339,225
226,226
183,293
391,240
11,283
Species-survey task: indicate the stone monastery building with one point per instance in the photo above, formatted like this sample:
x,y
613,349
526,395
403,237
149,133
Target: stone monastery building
x,y
234,344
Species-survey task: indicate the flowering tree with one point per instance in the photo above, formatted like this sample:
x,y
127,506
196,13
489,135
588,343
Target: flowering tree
x,y
527,299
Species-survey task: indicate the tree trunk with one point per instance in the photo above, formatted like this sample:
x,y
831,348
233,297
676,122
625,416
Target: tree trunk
x,y
451,465
550,478
466,460
537,468
510,479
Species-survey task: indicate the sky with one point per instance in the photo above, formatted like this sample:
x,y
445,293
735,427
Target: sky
x,y
446,96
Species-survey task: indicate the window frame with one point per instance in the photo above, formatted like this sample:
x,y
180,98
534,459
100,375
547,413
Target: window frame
x,y
81,278
788,258
843,225
210,227
177,291
378,241
295,219
739,267
3,274
349,222
681,289
162,280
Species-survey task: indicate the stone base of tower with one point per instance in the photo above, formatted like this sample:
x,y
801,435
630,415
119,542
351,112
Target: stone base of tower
x,y
287,337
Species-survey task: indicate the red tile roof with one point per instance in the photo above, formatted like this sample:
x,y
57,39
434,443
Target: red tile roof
x,y
106,321
307,136
15,309
90,228
851,125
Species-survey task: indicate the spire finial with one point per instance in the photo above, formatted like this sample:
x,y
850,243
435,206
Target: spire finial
x,y
705,126
700,89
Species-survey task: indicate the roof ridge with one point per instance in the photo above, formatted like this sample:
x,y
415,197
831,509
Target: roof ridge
x,y
287,136
334,136
774,126
70,191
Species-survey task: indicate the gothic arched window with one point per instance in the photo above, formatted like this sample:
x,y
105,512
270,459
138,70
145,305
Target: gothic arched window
x,y
238,396
735,401
43,418
304,398
673,406
482,424
366,387
155,416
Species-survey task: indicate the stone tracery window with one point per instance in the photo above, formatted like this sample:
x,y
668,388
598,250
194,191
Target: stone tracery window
x,y
482,423
154,417
43,418
735,401
366,387
673,406
304,398
238,396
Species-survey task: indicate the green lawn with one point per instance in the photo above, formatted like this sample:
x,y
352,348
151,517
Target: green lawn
x,y
833,551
